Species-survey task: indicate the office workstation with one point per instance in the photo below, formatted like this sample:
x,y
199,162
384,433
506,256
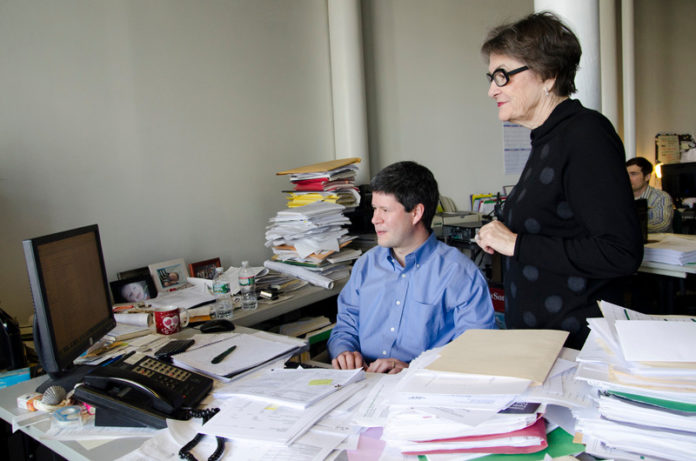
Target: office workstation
x,y
166,123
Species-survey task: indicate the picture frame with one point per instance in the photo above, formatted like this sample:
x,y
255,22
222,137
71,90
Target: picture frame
x,y
133,289
138,272
169,275
204,269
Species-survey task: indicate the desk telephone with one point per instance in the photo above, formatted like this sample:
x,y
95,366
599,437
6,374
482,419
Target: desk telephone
x,y
140,391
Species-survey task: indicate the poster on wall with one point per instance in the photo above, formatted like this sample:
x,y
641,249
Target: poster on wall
x,y
516,147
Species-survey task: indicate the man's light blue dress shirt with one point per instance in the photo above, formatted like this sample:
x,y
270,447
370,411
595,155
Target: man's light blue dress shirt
x,y
389,311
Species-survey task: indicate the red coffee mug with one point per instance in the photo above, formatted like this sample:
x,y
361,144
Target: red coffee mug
x,y
168,320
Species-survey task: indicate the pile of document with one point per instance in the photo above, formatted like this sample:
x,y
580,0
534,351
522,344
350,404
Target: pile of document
x,y
468,396
671,249
643,370
280,406
332,181
309,243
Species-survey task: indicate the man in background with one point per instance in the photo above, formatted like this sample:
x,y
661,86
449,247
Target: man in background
x,y
412,292
660,209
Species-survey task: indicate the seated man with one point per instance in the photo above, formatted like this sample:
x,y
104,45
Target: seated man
x,y
660,209
412,292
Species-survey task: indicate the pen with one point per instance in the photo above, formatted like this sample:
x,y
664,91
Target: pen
x,y
221,357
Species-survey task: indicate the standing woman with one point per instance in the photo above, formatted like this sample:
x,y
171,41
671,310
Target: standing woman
x,y
570,234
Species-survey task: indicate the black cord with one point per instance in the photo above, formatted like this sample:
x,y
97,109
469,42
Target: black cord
x,y
185,452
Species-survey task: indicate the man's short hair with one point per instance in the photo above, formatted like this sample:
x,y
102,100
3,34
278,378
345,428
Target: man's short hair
x,y
411,184
642,163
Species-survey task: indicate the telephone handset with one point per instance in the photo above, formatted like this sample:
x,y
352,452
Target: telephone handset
x,y
142,391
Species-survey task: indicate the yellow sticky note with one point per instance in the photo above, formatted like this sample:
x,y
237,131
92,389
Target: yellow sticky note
x,y
320,382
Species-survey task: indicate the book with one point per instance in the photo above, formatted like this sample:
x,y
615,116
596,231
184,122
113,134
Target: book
x,y
304,325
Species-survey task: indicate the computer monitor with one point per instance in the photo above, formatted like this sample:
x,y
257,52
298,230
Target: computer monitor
x,y
679,180
72,305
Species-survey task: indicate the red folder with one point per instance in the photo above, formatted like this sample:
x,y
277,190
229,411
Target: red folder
x,y
538,429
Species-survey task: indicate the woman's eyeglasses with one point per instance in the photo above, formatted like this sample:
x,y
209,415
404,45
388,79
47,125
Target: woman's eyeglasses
x,y
501,77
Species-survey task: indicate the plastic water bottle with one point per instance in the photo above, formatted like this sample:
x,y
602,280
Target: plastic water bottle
x,y
247,285
223,308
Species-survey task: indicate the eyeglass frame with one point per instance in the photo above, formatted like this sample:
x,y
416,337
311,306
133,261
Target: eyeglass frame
x,y
504,73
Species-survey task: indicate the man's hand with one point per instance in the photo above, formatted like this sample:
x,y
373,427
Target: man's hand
x,y
391,366
348,360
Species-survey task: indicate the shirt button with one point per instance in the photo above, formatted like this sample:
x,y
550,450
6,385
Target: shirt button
x,y
384,352
417,265
398,303
391,329
403,276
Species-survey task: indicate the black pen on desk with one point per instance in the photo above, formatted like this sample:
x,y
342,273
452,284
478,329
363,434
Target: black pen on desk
x,y
219,358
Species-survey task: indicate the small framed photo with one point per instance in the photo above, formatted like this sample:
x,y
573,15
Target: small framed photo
x,y
204,269
139,272
169,275
134,289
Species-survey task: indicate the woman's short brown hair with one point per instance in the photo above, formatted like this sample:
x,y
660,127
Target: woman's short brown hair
x,y
541,41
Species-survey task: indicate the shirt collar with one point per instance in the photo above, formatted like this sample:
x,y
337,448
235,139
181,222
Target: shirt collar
x,y
565,109
416,257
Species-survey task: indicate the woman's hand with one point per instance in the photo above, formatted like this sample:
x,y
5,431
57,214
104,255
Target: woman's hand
x,y
494,236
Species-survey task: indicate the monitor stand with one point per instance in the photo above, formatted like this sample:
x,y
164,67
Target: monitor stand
x,y
66,379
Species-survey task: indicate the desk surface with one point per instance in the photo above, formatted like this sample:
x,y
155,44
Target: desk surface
x,y
300,298
70,450
73,450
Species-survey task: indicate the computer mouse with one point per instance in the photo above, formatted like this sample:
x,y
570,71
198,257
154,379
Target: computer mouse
x,y
217,326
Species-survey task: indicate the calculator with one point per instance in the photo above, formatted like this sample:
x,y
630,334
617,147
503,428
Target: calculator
x,y
173,347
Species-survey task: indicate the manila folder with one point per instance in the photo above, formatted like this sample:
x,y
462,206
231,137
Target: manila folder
x,y
527,354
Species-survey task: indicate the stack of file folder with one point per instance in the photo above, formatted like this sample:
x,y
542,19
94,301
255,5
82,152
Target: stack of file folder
x,y
332,181
643,371
465,396
671,249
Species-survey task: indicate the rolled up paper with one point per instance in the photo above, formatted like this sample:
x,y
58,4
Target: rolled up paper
x,y
300,273
142,319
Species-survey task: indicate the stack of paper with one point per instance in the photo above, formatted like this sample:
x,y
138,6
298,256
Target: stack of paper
x,y
465,396
279,406
643,370
671,249
297,388
306,237
332,181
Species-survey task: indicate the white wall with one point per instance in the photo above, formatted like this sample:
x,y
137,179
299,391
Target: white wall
x,y
428,90
665,70
164,121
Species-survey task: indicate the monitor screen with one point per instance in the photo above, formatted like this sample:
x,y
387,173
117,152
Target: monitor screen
x,y
679,180
72,307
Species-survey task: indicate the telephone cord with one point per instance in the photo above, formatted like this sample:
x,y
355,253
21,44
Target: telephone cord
x,y
185,452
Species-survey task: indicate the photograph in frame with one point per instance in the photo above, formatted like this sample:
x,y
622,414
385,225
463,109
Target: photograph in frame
x,y
204,269
169,275
133,290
